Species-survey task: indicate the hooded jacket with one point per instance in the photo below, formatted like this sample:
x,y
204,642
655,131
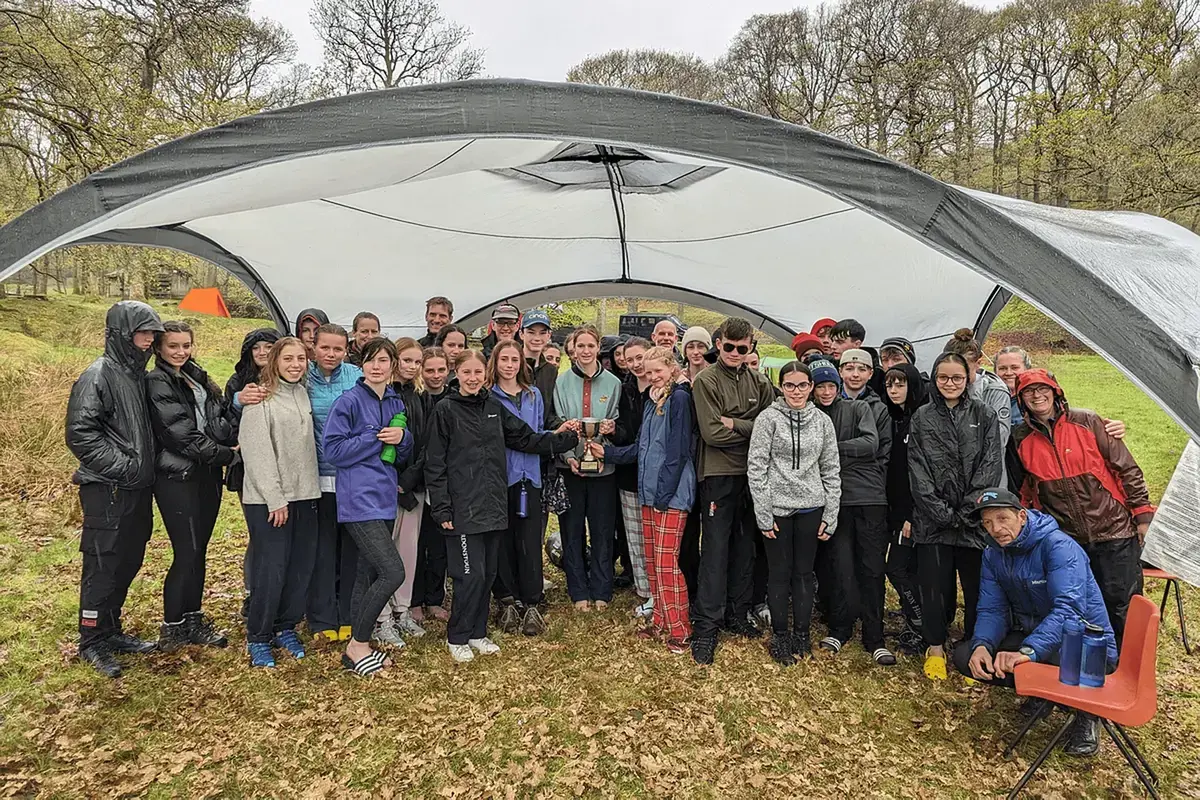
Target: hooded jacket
x,y
466,469
185,450
417,408
877,482
366,484
1076,471
108,426
992,391
545,376
278,449
244,372
899,491
794,464
740,394
1033,586
315,314
953,454
858,445
666,478
529,408
629,423
322,394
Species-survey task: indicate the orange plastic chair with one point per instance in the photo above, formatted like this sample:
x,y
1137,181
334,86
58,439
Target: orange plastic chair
x,y
1172,580
1129,695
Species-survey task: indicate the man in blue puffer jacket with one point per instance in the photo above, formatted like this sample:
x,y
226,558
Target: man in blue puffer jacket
x,y
1034,578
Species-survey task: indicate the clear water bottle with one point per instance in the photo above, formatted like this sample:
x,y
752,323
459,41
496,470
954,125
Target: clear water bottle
x,y
1095,657
1070,656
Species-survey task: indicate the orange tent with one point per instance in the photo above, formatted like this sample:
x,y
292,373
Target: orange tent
x,y
205,301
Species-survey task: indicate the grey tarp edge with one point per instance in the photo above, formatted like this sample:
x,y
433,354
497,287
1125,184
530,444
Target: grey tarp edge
x,y
946,218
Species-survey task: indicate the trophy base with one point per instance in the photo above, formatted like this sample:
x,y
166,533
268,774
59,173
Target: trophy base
x,y
590,467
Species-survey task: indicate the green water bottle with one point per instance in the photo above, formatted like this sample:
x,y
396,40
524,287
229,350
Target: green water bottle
x,y
388,455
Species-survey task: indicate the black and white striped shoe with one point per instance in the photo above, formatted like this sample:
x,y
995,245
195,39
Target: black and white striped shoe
x,y
832,644
367,665
884,657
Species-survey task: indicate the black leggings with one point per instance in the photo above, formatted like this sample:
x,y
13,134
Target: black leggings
x,y
380,574
189,512
791,556
936,568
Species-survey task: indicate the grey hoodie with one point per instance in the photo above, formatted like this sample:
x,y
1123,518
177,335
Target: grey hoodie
x,y
279,449
794,464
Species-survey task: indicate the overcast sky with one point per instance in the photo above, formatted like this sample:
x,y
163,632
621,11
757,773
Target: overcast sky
x,y
542,39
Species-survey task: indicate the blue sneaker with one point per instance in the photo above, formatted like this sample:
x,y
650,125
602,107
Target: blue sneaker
x,y
261,655
289,641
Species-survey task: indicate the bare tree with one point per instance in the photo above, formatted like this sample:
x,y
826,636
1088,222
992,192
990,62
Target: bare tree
x,y
679,74
380,44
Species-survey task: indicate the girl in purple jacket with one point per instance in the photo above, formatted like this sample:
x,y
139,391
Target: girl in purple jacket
x,y
358,429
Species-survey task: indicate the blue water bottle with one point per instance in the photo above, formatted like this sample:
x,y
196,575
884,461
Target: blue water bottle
x,y
1095,657
1070,656
523,502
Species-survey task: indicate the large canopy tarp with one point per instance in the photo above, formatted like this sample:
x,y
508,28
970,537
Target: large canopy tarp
x,y
533,192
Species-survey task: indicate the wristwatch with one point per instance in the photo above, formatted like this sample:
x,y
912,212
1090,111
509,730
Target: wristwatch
x,y
1028,652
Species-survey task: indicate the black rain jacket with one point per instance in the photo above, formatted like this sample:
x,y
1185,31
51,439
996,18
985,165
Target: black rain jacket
x,y
466,470
858,447
184,451
953,455
899,490
416,412
108,427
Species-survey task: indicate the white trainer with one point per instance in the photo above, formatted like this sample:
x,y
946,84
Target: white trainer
x,y
461,653
409,626
387,633
485,646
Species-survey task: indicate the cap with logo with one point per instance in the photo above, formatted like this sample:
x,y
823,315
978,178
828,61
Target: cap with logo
x,y
856,356
506,311
998,497
534,316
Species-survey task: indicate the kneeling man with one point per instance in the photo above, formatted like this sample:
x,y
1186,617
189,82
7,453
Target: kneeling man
x,y
1034,578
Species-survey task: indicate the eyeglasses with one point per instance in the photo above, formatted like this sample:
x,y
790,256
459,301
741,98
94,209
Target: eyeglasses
x,y
952,380
1037,390
794,387
741,349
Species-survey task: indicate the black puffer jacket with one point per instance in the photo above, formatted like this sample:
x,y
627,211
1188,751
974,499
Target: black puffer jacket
x,y
629,424
245,371
184,450
108,428
416,411
858,446
953,454
899,490
466,470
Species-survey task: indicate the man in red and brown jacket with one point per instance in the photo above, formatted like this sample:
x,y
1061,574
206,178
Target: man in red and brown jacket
x,y
1089,481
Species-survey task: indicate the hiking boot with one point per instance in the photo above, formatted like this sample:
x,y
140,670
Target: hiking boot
x,y
510,618
261,655
780,649
1082,738
1034,707
743,627
409,626
201,631
127,643
533,624
172,636
387,633
100,656
289,641
703,649
801,645
910,641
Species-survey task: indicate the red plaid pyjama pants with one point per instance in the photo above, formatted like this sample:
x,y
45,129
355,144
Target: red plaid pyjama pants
x,y
663,531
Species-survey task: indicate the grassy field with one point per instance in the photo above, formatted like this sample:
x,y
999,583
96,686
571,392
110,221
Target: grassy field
x,y
586,710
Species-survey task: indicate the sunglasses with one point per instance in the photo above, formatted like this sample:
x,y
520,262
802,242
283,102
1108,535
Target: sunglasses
x,y
741,349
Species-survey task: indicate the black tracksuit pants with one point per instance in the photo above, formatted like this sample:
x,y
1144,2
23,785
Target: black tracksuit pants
x,y
519,567
1117,567
867,526
937,565
189,513
429,582
336,569
281,566
592,519
727,548
689,552
902,573
791,557
116,528
471,560
380,574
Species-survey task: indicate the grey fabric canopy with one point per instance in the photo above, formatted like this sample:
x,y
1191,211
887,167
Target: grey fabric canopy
x,y
531,192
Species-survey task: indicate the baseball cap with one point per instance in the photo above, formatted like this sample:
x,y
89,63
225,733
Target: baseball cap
x,y
534,316
506,311
856,356
998,497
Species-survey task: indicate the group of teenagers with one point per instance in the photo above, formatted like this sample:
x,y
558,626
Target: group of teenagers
x,y
370,470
